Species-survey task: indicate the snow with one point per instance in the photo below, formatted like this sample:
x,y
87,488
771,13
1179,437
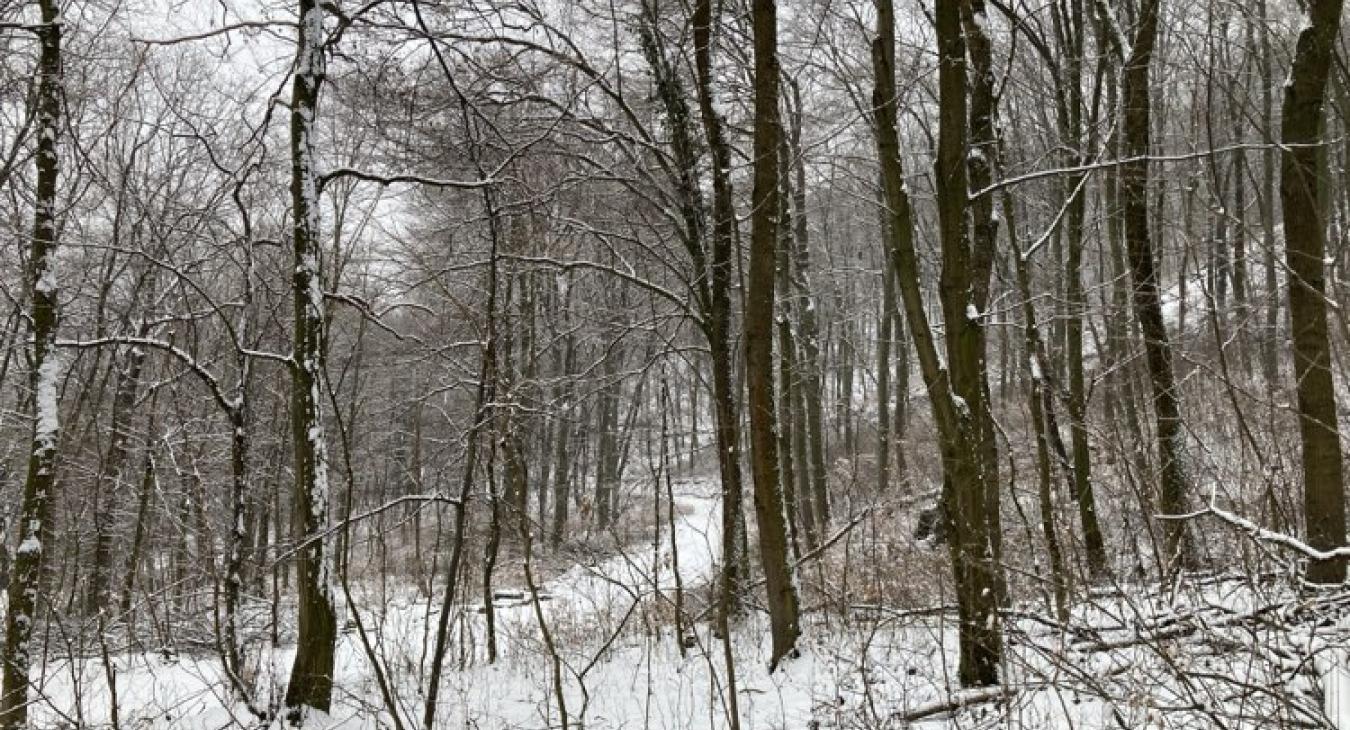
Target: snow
x,y
980,20
582,605
30,544
48,423
1334,676
622,665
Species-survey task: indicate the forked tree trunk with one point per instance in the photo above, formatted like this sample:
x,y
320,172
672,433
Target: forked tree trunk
x,y
1041,404
112,479
957,397
485,394
1071,119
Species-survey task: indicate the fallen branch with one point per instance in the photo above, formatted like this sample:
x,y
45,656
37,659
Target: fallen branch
x,y
1279,539
961,699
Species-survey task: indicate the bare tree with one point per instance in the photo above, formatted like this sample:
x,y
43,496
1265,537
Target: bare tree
x,y
1136,132
42,288
770,517
1302,180
958,395
311,683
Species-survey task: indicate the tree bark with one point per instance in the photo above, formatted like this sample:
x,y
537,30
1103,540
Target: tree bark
x,y
773,541
1136,133
112,479
142,526
1071,119
34,520
726,407
607,440
1305,221
1270,363
965,493
970,484
811,381
787,360
311,682
564,416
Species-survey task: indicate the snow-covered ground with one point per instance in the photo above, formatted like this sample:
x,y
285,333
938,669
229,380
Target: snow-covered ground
x,y
1134,659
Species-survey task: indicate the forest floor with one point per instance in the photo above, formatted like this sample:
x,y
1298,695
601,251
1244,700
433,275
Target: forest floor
x,y
1213,652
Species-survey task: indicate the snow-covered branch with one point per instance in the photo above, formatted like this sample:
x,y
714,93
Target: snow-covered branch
x,y
1279,539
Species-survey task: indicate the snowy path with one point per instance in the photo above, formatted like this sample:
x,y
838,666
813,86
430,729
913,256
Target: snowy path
x,y
638,571
582,608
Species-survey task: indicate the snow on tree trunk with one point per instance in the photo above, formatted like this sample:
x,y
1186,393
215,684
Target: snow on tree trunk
x,y
311,682
25,583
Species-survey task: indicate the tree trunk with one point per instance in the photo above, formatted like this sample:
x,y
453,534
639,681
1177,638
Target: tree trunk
x,y
1301,179
1071,119
484,397
311,682
964,487
1241,304
970,484
726,409
773,537
812,490
564,416
607,440
981,153
111,479
1270,362
884,329
1041,404
1136,132
138,535
788,432
34,519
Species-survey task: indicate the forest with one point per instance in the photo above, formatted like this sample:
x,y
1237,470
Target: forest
x,y
665,364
